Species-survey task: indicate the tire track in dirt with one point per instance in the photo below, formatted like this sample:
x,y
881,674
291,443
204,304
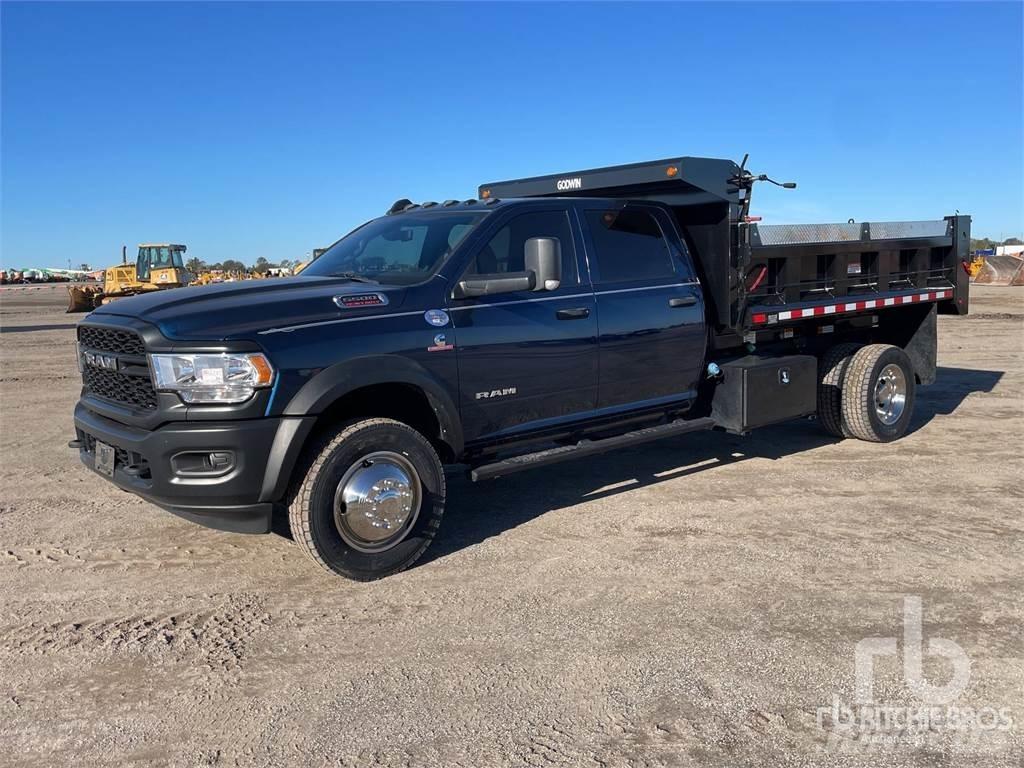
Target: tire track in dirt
x,y
97,559
216,637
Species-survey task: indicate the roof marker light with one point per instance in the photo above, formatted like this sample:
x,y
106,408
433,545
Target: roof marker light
x,y
672,171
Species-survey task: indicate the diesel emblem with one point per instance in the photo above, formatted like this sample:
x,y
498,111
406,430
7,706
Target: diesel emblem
x,y
440,344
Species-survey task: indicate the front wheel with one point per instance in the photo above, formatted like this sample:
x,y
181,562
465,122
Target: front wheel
x,y
878,393
370,501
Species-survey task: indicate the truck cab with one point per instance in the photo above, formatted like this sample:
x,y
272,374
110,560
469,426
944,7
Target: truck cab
x,y
544,319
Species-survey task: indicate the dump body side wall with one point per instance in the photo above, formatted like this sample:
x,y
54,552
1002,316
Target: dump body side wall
x,y
837,265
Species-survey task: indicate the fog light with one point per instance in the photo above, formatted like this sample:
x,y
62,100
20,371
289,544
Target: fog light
x,y
221,459
203,463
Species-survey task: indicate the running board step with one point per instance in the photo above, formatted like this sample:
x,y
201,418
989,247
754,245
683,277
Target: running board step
x,y
586,448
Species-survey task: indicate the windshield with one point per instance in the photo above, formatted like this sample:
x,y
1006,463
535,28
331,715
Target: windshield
x,y
403,249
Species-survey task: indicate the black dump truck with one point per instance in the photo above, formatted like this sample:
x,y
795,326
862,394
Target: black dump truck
x,y
546,319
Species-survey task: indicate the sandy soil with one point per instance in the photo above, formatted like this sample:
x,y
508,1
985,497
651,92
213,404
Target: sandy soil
x,y
689,602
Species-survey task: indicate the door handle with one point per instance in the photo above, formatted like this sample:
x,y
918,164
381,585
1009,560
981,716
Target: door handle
x,y
573,314
682,301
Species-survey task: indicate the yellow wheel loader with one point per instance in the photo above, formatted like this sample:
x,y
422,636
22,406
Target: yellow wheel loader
x,y
1001,269
977,264
158,266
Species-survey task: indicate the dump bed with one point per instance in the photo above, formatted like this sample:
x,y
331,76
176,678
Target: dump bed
x,y
795,271
762,275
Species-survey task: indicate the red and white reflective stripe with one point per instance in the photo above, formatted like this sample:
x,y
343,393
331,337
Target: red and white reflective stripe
x,y
760,318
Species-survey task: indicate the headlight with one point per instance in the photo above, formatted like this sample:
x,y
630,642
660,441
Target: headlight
x,y
223,378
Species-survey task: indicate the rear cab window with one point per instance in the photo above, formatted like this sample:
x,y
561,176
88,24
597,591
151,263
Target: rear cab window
x,y
628,245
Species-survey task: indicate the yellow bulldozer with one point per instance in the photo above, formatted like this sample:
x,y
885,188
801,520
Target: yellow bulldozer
x,y
158,266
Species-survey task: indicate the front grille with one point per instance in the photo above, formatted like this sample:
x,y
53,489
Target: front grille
x,y
120,387
111,340
131,384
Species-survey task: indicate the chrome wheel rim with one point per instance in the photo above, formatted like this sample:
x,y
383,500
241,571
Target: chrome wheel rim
x,y
377,501
890,394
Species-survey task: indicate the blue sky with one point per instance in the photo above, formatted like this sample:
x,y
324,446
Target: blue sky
x,y
267,130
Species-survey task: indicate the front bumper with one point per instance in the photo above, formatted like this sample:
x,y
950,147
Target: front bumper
x,y
240,498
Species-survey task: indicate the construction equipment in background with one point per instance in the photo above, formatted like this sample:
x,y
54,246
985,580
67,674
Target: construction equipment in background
x,y
976,265
219,276
157,267
1001,269
317,253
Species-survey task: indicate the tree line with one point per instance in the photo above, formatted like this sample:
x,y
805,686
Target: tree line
x,y
195,265
986,243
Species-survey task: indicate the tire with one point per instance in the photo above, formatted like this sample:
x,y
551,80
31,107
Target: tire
x,y
873,373
370,500
831,371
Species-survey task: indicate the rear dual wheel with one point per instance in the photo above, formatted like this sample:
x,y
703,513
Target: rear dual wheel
x,y
831,373
866,392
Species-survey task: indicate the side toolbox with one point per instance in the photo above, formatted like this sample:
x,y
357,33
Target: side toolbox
x,y
754,391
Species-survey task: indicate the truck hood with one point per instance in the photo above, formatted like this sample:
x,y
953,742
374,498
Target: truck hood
x,y
239,310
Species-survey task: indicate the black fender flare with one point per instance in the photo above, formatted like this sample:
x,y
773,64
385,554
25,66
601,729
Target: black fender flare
x,y
332,383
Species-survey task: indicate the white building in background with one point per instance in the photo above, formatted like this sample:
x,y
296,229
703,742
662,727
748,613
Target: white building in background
x,y
1009,250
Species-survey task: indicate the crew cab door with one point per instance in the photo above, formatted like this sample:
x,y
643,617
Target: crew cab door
x,y
649,306
526,358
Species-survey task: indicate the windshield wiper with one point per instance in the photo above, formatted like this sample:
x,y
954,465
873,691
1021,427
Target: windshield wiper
x,y
355,278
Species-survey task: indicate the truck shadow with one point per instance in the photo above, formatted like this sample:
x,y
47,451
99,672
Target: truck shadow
x,y
479,511
951,386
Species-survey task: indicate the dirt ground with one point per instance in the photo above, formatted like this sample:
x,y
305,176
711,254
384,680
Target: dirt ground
x,y
688,602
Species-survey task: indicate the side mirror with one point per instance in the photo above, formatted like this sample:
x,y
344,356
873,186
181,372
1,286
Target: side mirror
x,y
543,257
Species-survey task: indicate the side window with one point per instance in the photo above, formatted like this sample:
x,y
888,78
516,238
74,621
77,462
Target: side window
x,y
143,264
457,233
629,245
505,251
